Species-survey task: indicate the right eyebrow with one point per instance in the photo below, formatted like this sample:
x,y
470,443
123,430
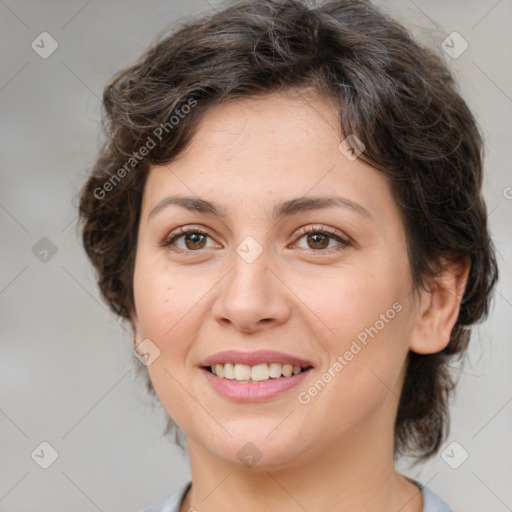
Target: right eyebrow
x,y
189,203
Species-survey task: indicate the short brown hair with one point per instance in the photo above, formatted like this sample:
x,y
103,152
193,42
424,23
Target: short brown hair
x,y
394,95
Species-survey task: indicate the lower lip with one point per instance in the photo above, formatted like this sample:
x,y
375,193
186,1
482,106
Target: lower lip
x,y
253,391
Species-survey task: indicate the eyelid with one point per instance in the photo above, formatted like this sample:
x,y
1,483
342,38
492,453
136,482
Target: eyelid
x,y
171,238
320,228
342,239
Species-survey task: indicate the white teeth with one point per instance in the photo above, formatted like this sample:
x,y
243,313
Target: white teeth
x,y
229,371
287,370
219,370
260,372
242,372
275,370
256,373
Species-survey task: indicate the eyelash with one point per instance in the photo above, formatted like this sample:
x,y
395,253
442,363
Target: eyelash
x,y
182,231
343,243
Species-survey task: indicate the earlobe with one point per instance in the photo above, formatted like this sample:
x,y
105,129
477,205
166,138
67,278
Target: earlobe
x,y
439,309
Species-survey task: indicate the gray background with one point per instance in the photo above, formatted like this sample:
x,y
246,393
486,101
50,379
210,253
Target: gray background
x,y
67,371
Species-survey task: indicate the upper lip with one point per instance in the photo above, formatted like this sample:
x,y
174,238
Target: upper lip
x,y
254,358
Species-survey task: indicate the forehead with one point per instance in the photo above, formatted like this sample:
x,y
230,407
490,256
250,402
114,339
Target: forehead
x,y
266,149
276,126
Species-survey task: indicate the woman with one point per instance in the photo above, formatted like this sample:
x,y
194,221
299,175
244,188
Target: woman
x,y
288,211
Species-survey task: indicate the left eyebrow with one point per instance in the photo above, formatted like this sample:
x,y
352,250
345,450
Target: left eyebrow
x,y
283,209
303,204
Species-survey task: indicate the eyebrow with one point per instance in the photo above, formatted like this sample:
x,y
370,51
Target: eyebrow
x,y
283,209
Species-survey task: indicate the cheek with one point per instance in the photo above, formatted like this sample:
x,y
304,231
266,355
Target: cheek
x,y
162,298
361,322
165,315
348,303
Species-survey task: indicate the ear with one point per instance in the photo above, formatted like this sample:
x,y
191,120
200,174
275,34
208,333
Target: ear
x,y
439,308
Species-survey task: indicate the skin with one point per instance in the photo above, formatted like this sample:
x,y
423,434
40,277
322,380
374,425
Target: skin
x,y
335,452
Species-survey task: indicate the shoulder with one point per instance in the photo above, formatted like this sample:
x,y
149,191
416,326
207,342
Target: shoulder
x,y
170,504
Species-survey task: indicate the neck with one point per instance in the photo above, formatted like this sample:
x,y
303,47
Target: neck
x,y
355,474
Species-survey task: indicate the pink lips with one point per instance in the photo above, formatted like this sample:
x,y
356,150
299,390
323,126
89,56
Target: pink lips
x,y
254,391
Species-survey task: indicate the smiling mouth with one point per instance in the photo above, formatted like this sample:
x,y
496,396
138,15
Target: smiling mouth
x,y
257,373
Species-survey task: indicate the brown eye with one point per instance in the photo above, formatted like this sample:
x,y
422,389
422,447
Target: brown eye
x,y
317,241
195,240
321,240
188,239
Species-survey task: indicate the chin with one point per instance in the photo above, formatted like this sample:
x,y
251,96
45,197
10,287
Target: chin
x,y
256,450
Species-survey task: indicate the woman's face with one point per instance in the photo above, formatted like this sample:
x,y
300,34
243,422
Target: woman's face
x,y
276,275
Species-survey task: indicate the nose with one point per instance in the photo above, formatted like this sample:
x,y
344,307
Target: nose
x,y
252,298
